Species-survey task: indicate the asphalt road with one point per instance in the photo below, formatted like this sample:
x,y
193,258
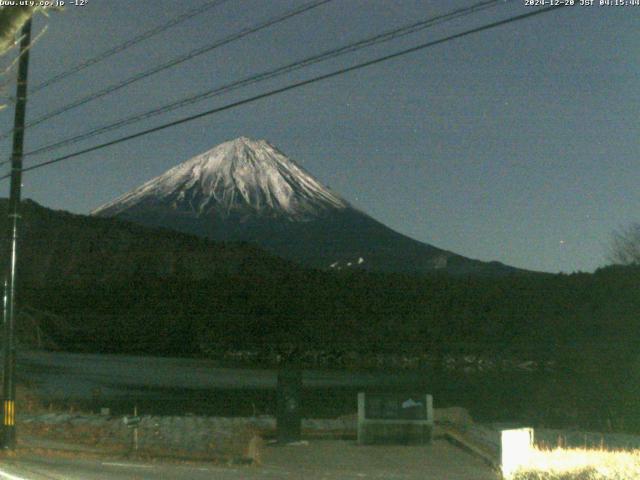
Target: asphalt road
x,y
58,469
174,385
330,460
79,373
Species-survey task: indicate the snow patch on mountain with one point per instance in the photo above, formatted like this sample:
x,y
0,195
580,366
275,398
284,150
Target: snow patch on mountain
x,y
240,176
338,266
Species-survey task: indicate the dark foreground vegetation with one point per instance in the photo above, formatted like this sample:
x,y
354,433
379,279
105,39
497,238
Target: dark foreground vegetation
x,y
558,349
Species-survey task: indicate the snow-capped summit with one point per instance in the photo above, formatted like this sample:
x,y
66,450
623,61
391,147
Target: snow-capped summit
x,y
247,190
238,177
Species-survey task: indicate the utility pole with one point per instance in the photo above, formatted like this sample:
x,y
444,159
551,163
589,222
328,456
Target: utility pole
x,y
9,349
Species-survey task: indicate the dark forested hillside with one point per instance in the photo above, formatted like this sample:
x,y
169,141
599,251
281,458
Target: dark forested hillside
x,y
114,286
57,247
102,285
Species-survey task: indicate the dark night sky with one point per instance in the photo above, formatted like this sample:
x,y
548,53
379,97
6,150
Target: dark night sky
x,y
517,144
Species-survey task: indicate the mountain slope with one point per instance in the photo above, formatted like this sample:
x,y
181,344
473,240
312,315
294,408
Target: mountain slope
x,y
58,247
247,190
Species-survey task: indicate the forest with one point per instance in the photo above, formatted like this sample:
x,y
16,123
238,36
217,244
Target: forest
x,y
104,286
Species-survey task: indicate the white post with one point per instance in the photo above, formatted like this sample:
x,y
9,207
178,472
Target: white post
x,y
429,405
135,430
361,418
516,446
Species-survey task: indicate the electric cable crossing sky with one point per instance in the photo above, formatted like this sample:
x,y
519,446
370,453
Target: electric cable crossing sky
x,y
287,88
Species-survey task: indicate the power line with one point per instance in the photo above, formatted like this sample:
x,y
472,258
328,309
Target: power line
x,y
129,43
176,61
292,87
326,55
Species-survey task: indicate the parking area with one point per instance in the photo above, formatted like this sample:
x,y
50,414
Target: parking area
x,y
333,459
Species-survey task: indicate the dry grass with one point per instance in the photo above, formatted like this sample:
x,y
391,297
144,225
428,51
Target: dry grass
x,y
28,401
580,464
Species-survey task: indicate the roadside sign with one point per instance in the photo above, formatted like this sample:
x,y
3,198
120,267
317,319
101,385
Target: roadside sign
x,y
131,422
400,417
396,406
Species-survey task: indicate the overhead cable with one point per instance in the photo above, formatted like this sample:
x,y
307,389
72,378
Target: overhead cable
x,y
176,61
269,74
292,87
129,43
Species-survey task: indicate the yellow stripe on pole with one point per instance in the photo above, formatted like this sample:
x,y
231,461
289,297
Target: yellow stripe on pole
x,y
9,413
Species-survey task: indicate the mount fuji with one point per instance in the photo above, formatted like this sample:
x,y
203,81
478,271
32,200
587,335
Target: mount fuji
x,y
247,190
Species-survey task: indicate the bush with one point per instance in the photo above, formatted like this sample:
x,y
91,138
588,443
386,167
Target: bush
x,y
580,464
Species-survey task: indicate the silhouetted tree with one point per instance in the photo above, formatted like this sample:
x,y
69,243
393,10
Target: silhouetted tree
x,y
625,246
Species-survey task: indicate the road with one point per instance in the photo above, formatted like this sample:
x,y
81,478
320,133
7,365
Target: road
x,y
80,374
35,468
56,369
334,460
166,384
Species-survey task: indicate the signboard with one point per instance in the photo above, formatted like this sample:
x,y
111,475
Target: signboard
x,y
131,422
396,406
401,418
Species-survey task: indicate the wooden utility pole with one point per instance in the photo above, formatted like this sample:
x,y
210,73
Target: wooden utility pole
x,y
9,349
